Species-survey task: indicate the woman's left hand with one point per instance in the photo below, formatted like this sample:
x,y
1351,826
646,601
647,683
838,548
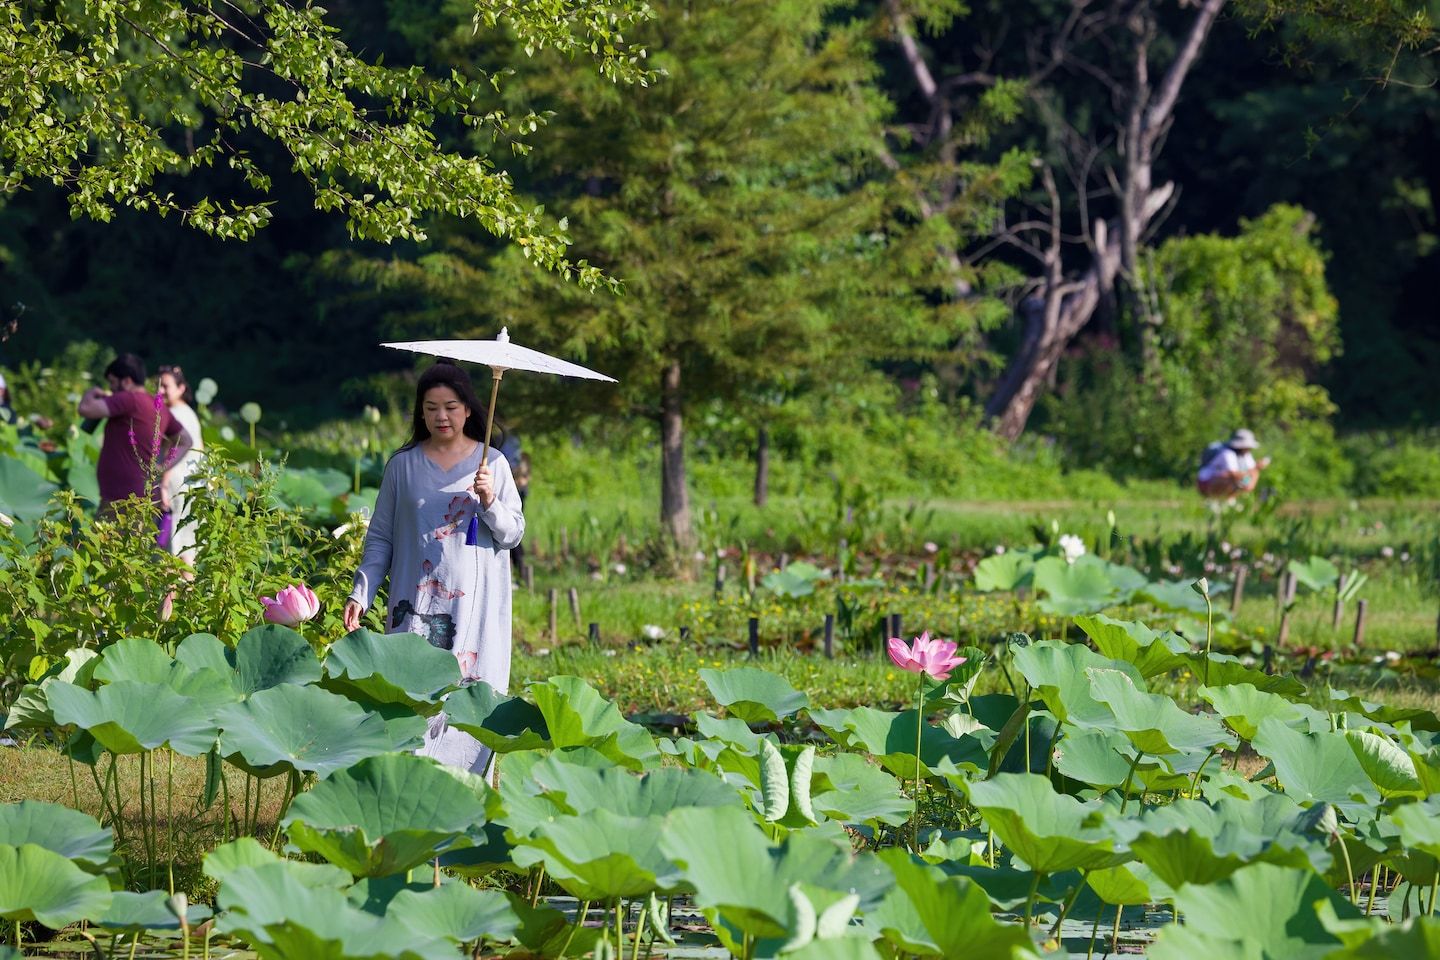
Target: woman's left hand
x,y
485,485
467,662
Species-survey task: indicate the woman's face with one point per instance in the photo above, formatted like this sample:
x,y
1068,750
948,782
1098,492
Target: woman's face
x,y
445,413
174,393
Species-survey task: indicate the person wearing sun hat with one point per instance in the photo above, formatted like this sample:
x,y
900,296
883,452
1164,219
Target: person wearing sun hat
x,y
1229,467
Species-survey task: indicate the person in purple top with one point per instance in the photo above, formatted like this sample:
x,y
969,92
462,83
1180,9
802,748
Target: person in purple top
x,y
141,438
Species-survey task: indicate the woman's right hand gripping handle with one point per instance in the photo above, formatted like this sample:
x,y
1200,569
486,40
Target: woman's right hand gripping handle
x,y
352,614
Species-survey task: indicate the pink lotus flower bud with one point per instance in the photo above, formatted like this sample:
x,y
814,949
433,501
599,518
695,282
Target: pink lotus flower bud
x,y
292,606
935,658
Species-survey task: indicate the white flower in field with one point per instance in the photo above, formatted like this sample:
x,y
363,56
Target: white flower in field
x,y
597,575
699,556
543,652
1236,554
1392,656
619,569
1072,547
1387,552
1268,558
609,653
341,530
653,632
1405,557
931,546
1247,661
999,549
1224,546
7,520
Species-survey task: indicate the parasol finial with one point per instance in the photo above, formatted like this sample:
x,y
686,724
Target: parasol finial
x,y
504,336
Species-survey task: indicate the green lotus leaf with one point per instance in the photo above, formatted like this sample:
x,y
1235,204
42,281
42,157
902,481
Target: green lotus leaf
x,y
731,731
200,651
384,815
1316,574
1154,724
835,948
304,490
1134,643
1417,717
130,717
1072,589
1260,911
503,723
848,787
1057,672
41,885
1100,758
1129,884
1007,571
73,835
1225,670
486,848
753,695
31,708
930,914
1389,767
1177,596
270,655
743,883
249,852
601,855
583,781
1051,832
283,918
290,727
1316,766
1419,825
401,668
455,911
151,910
1371,938
890,738
24,494
1243,708
796,580
578,716
134,658
1190,842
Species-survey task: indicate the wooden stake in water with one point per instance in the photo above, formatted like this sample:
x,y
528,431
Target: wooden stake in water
x,y
1339,603
830,636
528,575
719,579
575,606
1237,593
594,635
754,636
554,612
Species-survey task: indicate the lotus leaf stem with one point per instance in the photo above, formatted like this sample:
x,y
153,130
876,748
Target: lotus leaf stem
x,y
134,943
539,882
1434,885
574,929
639,932
1069,902
919,728
1195,780
1094,932
1376,878
1030,900
170,826
1125,790
1349,871
74,786
1115,936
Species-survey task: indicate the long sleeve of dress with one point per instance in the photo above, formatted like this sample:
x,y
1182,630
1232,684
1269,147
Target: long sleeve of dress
x,y
504,516
379,546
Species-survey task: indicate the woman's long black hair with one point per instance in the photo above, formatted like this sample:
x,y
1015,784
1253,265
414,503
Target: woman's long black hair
x,y
444,374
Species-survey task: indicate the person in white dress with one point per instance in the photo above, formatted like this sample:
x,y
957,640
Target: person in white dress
x,y
174,496
1230,468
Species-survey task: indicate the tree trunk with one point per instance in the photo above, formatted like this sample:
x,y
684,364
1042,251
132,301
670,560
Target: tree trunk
x,y
674,496
762,466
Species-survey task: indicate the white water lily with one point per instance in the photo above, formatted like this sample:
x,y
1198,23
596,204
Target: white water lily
x,y
1072,548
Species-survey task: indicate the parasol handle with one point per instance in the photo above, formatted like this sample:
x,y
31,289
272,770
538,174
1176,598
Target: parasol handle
x,y
499,373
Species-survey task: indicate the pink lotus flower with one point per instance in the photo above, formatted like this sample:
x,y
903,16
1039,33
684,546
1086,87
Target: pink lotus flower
x,y
291,606
935,658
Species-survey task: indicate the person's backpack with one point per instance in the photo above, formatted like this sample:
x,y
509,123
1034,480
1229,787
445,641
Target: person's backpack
x,y
1212,450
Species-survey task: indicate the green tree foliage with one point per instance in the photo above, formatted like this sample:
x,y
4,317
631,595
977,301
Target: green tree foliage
x,y
761,242
1241,325
112,99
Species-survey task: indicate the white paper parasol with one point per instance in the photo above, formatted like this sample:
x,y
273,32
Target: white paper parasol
x,y
499,355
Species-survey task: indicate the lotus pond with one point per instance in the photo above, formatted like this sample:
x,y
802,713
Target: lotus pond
x,y
1049,798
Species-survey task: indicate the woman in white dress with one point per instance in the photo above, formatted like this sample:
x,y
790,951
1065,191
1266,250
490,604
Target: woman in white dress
x,y
177,396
